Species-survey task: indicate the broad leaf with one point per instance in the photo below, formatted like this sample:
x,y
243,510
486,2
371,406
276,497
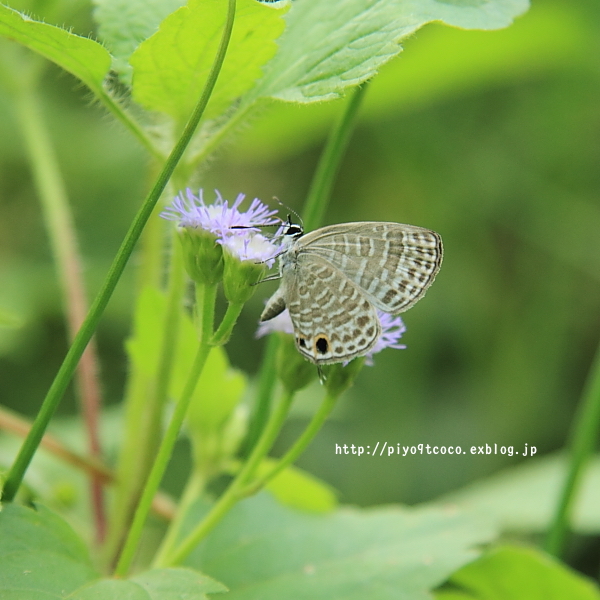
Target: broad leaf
x,y
124,24
524,498
81,56
41,558
515,573
40,555
158,584
330,46
441,62
264,551
172,66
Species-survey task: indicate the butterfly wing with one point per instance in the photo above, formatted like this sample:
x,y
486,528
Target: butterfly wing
x,y
333,321
393,264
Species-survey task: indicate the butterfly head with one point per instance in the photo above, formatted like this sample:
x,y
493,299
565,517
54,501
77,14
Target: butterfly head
x,y
292,230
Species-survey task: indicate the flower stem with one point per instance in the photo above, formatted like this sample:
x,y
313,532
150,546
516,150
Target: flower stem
x,y
206,297
234,492
583,440
298,447
81,340
267,379
192,491
230,318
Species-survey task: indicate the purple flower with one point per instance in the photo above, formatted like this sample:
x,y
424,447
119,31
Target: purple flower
x,y
392,329
251,246
191,212
282,322
218,218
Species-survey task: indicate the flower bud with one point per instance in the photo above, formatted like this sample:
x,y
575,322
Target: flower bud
x,y
202,255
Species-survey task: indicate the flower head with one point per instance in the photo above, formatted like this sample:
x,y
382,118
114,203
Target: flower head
x,y
251,246
392,329
219,218
206,229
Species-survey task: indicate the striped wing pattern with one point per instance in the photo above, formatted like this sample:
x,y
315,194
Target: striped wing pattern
x,y
392,264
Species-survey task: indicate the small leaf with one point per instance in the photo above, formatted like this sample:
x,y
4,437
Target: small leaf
x,y
158,584
124,24
40,555
299,489
171,67
515,573
330,46
81,56
264,551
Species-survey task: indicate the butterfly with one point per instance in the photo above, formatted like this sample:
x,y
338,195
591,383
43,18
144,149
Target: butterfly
x,y
335,278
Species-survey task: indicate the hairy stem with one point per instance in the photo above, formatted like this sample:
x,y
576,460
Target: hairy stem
x,y
61,232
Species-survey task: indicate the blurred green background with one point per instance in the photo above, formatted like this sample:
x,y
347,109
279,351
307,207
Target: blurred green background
x,y
490,138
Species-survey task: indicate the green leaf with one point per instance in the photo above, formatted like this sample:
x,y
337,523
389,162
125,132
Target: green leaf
x,y
124,24
158,584
524,498
330,46
171,67
41,557
441,62
262,550
299,489
515,573
82,57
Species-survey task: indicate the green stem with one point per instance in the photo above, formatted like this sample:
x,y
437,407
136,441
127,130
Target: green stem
x,y
206,297
224,330
129,122
192,491
319,194
584,436
65,373
298,447
267,379
234,491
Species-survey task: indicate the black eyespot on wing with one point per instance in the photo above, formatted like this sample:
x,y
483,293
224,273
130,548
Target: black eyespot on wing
x,y
322,345
301,342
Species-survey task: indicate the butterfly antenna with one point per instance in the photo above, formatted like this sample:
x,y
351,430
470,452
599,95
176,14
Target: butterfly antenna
x,y
291,210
